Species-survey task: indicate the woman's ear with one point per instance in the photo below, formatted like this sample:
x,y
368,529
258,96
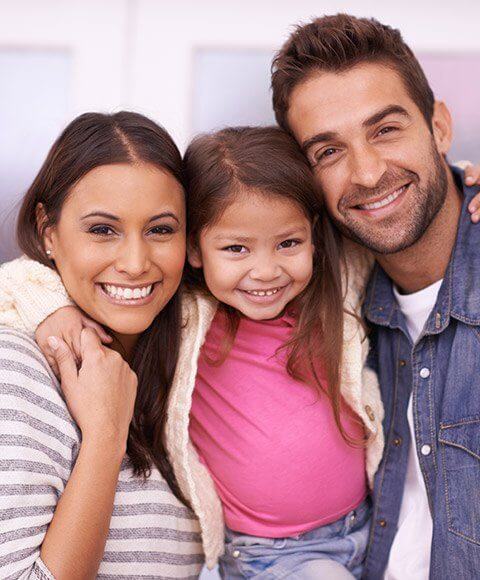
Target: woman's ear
x,y
442,127
44,231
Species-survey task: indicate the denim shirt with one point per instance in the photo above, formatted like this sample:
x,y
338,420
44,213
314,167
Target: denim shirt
x,y
442,372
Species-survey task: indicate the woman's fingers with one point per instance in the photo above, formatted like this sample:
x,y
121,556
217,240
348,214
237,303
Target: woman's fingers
x,y
64,360
89,342
98,328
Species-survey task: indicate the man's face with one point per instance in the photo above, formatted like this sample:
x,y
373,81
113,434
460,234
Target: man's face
x,y
375,159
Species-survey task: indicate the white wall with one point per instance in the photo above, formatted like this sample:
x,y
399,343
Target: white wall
x,y
139,53
167,33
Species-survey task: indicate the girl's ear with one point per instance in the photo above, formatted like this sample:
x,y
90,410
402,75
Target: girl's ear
x,y
194,255
44,232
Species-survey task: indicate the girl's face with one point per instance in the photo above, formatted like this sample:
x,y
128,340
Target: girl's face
x,y
258,256
119,244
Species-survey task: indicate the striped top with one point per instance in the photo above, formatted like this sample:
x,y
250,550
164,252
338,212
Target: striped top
x,y
152,535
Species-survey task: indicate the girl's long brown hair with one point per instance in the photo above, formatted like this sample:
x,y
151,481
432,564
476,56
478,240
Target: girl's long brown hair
x,y
92,140
266,160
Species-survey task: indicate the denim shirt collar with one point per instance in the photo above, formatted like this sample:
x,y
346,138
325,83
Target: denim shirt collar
x,y
459,295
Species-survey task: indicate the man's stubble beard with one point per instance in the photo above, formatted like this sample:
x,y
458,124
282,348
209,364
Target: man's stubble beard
x,y
430,199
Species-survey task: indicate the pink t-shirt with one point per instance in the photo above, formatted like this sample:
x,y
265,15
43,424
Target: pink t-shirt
x,y
278,460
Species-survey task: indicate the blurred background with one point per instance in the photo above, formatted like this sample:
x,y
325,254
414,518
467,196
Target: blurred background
x,y
192,65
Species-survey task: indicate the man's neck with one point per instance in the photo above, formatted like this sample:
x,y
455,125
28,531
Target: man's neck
x,y
426,261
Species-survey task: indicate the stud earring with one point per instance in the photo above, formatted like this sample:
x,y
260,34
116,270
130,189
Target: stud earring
x,y
49,253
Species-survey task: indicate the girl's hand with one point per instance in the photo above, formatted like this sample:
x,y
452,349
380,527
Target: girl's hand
x,y
101,394
66,323
472,177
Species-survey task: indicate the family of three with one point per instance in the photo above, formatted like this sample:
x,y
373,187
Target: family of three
x,y
295,400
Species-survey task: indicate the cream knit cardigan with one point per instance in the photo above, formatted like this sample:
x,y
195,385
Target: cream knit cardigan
x,y
29,292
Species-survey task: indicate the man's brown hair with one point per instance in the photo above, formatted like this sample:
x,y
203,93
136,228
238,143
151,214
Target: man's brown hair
x,y
336,44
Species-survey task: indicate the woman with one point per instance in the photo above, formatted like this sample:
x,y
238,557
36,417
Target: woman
x,y
86,486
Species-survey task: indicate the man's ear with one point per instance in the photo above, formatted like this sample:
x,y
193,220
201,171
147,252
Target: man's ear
x,y
44,231
194,255
442,127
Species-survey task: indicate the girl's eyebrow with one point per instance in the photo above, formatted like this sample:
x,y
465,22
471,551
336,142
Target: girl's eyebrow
x,y
110,216
233,238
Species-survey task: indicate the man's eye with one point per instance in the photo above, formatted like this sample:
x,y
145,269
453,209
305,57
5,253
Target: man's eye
x,y
325,154
235,249
102,230
385,130
289,243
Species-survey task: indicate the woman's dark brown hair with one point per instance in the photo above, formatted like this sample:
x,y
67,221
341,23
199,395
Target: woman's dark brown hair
x,y
267,161
93,140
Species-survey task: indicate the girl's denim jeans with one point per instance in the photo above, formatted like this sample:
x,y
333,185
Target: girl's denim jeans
x,y
335,551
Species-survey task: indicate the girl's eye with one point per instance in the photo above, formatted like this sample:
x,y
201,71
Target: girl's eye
x,y
102,230
161,230
289,244
236,249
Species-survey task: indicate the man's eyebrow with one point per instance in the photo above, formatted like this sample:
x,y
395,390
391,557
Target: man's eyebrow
x,y
318,138
373,120
390,110
110,216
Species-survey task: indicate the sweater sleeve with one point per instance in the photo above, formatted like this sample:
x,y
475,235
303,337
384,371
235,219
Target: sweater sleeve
x,y
38,442
29,292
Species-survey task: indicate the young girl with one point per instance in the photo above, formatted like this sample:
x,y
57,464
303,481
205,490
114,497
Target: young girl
x,y
274,424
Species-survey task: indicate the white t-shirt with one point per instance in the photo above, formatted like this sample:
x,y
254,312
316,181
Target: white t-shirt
x,y
410,552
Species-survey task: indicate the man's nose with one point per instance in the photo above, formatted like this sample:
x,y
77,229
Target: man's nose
x,y
367,166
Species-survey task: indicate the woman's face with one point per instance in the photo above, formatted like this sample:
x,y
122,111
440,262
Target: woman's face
x,y
119,244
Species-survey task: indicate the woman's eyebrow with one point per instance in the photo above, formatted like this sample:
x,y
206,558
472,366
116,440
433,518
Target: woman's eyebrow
x,y
165,214
101,214
110,216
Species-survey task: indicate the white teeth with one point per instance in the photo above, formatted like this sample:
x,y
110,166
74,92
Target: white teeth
x,y
127,293
392,197
262,292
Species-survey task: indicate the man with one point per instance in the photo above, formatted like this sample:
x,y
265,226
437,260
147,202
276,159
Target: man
x,y
357,101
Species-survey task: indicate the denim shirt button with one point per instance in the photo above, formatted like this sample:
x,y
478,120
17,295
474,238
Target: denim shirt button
x,y
236,553
424,373
425,450
382,523
397,441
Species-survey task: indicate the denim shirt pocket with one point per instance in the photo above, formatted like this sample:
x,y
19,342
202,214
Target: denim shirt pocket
x,y
460,448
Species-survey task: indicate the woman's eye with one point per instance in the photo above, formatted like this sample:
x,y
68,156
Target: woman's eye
x,y
161,230
102,230
289,243
236,249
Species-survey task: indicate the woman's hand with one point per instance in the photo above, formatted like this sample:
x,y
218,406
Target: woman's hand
x,y
101,394
67,323
472,177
